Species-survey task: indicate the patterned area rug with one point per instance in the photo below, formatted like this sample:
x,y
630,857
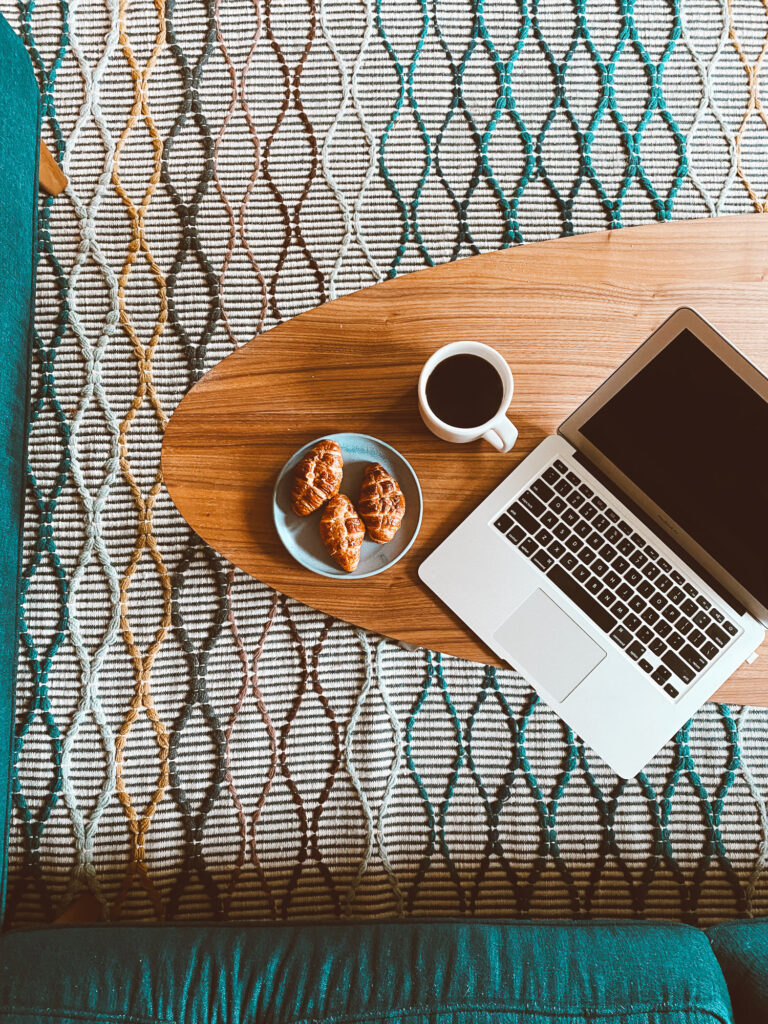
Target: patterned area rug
x,y
190,743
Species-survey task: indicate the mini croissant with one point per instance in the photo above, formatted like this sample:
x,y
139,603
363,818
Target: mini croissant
x,y
317,477
342,532
381,505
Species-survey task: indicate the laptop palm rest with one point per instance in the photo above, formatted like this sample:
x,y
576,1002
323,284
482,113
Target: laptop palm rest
x,y
546,644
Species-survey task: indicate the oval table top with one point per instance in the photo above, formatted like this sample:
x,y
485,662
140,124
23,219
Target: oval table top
x,y
564,313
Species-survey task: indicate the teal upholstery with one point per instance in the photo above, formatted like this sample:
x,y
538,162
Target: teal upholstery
x,y
447,972
741,948
19,141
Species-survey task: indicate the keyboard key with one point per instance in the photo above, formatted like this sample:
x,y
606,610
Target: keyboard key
x,y
651,571
624,591
516,534
594,586
638,559
658,646
645,588
678,666
638,541
717,615
613,516
581,573
646,666
606,598
663,583
561,531
503,523
563,488
599,567
694,659
620,564
607,552
688,607
595,541
529,500
549,519
570,516
632,576
624,527
612,579
631,621
676,595
620,610
651,552
583,529
600,523
675,641
670,689
560,466
702,602
523,517
543,537
671,613
636,603
587,555
542,560
729,627
664,565
556,549
572,478
658,601
601,616
586,490
557,505
612,535
701,619
542,490
696,638
709,650
649,616
573,543
676,577
684,626
598,502
690,590
644,635
589,511
621,636
551,475
661,675
663,628
529,546
635,650
720,637
575,499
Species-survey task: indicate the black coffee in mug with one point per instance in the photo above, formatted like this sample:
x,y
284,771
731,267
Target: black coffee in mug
x,y
464,390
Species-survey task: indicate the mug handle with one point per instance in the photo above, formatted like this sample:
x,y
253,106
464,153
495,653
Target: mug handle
x,y
502,435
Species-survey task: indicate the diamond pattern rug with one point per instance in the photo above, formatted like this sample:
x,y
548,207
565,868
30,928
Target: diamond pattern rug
x,y
191,744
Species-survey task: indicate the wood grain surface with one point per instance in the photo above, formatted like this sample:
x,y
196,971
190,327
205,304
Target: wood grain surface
x,y
564,313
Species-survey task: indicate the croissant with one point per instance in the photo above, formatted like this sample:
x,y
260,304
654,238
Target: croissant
x,y
317,477
342,532
382,504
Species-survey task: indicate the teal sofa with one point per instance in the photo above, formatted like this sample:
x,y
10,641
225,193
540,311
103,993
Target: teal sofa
x,y
414,972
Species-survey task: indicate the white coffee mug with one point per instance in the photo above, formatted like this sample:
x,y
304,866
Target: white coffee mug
x,y
498,430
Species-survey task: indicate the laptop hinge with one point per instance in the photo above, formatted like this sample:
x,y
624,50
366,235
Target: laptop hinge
x,y
681,553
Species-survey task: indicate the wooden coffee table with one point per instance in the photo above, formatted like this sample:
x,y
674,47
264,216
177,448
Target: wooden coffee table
x,y
564,313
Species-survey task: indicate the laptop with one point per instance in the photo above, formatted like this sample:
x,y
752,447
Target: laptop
x,y
622,567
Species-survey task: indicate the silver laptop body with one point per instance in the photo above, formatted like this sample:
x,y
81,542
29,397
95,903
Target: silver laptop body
x,y
622,567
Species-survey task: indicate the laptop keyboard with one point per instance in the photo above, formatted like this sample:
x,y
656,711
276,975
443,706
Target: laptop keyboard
x,y
649,609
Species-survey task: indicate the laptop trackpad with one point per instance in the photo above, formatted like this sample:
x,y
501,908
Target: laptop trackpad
x,y
547,645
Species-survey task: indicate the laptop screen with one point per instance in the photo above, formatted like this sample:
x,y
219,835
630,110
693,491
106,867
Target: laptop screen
x,y
693,436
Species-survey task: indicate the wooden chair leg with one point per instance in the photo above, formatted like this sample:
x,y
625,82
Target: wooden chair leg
x,y
50,175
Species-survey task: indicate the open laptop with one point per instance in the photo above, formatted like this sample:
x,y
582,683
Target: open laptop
x,y
622,567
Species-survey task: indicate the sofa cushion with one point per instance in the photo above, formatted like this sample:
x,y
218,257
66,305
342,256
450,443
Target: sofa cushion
x,y
409,973
741,948
19,140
